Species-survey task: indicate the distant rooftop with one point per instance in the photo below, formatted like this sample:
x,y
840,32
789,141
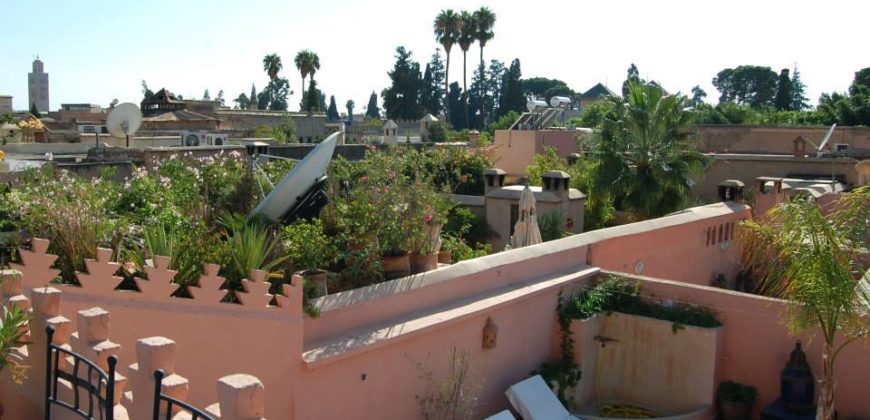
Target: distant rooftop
x,y
597,91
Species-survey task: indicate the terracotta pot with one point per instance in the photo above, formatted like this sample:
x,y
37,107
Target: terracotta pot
x,y
730,410
421,263
318,277
444,257
396,266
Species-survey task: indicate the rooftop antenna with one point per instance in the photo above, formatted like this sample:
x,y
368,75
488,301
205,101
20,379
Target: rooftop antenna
x,y
123,121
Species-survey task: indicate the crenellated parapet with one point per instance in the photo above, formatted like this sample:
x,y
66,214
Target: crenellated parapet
x,y
100,279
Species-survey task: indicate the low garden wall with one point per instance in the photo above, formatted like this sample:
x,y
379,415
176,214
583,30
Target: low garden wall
x,y
370,346
755,344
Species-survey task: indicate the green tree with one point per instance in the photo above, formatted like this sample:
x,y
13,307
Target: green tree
x,y
220,97
814,262
275,95
494,79
402,98
307,62
592,115
750,85
511,98
447,25
632,76
698,96
206,96
253,98
538,86
312,97
272,65
242,101
503,123
467,36
146,93
454,100
349,105
799,98
476,99
372,107
784,92
332,110
851,108
432,93
644,156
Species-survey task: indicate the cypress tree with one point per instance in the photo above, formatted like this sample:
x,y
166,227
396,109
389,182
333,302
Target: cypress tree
x,y
784,92
332,111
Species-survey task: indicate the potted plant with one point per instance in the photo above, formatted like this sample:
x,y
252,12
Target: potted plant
x,y
735,400
12,334
427,214
310,250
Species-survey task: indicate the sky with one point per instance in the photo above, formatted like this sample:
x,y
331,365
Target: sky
x,y
99,50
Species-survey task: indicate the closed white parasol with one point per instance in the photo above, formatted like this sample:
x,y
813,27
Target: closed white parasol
x,y
526,231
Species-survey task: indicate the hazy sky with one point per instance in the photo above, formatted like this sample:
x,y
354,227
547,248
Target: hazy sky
x,y
95,51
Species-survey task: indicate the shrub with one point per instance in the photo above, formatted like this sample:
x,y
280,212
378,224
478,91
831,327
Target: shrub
x,y
307,247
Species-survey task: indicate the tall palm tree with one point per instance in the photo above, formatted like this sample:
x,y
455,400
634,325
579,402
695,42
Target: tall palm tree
x,y
485,20
272,65
467,36
307,62
814,262
644,154
447,26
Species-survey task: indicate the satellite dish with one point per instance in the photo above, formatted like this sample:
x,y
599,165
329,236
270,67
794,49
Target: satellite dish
x,y
123,121
298,188
827,137
114,102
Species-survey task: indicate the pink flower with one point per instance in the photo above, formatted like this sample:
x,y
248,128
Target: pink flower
x,y
427,218
364,178
391,174
387,189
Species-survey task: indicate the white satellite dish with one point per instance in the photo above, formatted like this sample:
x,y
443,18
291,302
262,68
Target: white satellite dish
x,y
292,191
827,137
123,121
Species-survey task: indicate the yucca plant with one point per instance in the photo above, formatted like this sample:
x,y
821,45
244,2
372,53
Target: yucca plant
x,y
159,239
252,248
12,333
814,261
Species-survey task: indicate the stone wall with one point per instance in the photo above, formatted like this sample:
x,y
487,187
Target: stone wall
x,y
774,140
244,122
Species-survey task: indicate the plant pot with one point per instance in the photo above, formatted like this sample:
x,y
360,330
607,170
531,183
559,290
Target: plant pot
x,y
396,266
444,257
318,277
421,263
731,410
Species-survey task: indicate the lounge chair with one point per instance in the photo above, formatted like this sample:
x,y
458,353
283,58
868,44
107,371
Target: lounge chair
x,y
502,415
534,400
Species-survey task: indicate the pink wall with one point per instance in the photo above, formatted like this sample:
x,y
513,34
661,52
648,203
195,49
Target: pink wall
x,y
756,344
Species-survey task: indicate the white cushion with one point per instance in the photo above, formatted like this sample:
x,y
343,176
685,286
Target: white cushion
x,y
502,415
534,400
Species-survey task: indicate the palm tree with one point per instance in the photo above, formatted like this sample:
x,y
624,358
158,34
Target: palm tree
x,y
644,156
272,65
485,19
814,262
307,62
467,35
447,26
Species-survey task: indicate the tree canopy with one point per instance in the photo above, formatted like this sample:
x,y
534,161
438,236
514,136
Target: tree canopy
x,y
511,98
402,98
750,85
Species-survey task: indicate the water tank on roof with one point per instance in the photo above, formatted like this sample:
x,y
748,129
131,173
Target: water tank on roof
x,y
534,104
560,101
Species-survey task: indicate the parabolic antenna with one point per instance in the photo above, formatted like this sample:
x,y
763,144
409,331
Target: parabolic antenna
x,y
123,121
827,137
298,186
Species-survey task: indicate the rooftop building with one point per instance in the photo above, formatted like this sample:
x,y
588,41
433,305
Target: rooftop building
x,y
37,87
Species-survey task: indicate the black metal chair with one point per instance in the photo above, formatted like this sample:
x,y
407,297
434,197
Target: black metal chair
x,y
159,396
98,386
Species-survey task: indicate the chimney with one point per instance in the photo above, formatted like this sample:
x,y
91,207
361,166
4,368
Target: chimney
x,y
731,190
493,179
573,158
557,182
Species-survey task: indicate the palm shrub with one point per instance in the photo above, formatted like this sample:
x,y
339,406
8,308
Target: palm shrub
x,y
814,262
551,225
644,156
12,336
252,248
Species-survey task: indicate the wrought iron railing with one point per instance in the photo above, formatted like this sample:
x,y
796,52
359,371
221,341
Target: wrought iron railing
x,y
96,390
159,397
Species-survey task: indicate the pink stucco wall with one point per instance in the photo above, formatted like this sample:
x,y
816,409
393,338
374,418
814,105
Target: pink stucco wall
x,y
515,149
358,359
